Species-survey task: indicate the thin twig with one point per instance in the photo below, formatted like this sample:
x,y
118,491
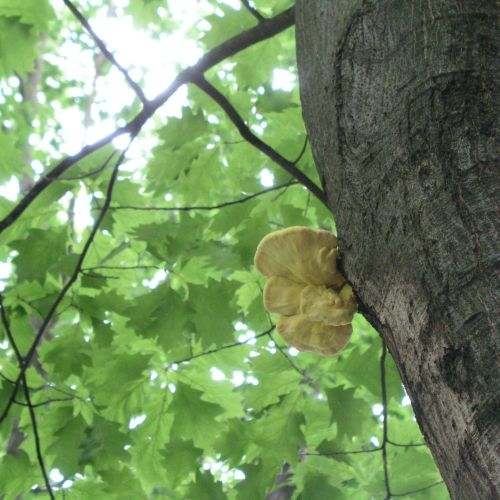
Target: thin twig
x,y
403,445
38,447
44,403
93,172
102,46
383,385
302,373
8,331
7,379
417,490
34,425
351,452
263,31
27,359
255,141
209,207
255,13
29,304
99,276
302,151
121,268
218,349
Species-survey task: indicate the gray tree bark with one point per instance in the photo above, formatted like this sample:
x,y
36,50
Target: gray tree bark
x,y
401,103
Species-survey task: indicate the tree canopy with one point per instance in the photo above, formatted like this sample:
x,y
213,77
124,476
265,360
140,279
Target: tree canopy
x,y
146,147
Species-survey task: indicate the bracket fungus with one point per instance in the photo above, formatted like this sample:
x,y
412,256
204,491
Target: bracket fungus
x,y
315,303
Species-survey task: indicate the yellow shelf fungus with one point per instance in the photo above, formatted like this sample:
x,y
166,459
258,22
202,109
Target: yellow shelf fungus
x,y
315,304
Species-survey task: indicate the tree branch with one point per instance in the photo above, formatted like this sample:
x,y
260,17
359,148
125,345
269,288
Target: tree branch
x,y
255,13
302,151
402,445
122,268
218,349
291,362
346,452
383,384
255,141
34,425
262,31
102,46
44,403
93,172
209,207
38,447
24,363
417,490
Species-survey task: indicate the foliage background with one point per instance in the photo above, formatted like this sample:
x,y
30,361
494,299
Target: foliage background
x,y
159,375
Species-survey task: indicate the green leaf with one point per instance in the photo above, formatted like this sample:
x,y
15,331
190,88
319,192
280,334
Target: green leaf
x,y
180,459
317,487
275,380
279,433
17,475
318,478
34,12
17,47
226,23
160,314
179,131
123,484
411,469
257,482
104,445
348,411
206,488
67,443
119,382
235,442
214,312
36,253
11,159
198,271
194,418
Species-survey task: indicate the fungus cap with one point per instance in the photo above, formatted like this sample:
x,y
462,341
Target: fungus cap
x,y
282,296
300,254
319,303
313,336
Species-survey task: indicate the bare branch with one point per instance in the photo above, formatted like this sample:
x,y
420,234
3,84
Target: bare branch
x,y
218,349
7,379
102,46
383,384
403,445
210,207
262,31
34,425
24,363
122,268
8,331
255,13
302,151
44,403
36,435
346,452
437,483
255,141
93,172
291,362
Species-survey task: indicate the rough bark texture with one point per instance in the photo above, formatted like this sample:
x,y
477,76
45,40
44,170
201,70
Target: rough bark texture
x,y
400,99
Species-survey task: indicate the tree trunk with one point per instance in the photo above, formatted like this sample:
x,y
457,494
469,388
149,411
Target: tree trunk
x,y
400,99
